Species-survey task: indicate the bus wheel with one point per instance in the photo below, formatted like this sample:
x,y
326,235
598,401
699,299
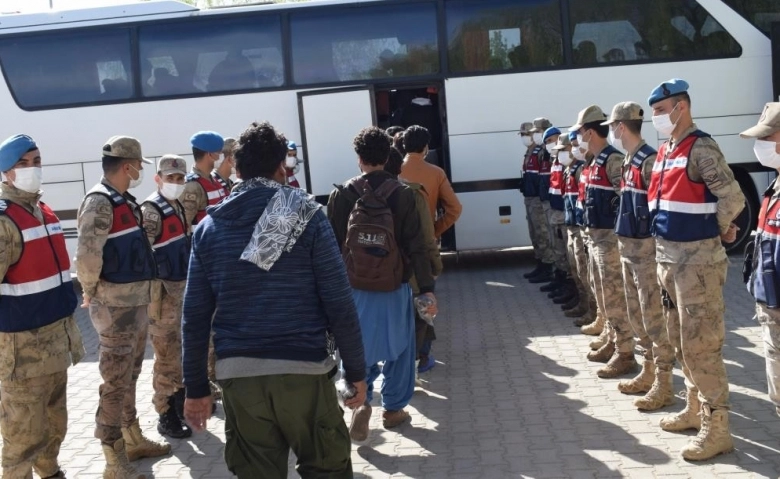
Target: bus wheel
x,y
748,218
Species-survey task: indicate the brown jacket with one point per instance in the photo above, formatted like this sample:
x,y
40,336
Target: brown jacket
x,y
438,187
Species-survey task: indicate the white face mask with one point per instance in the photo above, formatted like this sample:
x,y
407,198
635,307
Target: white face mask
x,y
564,158
135,183
583,143
577,153
527,140
537,138
549,147
766,152
663,123
28,179
171,191
614,141
291,162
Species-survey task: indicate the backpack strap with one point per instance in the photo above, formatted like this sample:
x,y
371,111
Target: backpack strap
x,y
387,188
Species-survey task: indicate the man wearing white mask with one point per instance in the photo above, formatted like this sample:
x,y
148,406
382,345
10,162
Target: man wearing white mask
x,y
637,257
201,190
115,266
39,338
764,282
167,231
533,204
693,199
291,164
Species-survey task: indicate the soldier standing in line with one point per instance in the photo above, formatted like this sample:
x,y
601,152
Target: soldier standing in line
x,y
167,231
637,256
601,200
201,190
39,338
764,281
694,198
225,167
115,266
537,222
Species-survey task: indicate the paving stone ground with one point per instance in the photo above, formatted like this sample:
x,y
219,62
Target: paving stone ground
x,y
511,396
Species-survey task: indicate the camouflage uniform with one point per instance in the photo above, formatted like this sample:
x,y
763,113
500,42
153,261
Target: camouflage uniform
x,y
693,273
541,235
578,261
770,326
558,237
118,313
33,372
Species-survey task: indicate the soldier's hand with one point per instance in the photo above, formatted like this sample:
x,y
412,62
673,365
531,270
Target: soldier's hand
x,y
730,236
360,396
197,412
85,302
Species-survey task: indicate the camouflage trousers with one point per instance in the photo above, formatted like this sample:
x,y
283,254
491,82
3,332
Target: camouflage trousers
x,y
558,236
770,325
165,334
610,294
645,311
122,335
577,255
537,228
695,326
34,421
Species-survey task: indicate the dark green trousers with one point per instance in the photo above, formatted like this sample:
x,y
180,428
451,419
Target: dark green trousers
x,y
266,416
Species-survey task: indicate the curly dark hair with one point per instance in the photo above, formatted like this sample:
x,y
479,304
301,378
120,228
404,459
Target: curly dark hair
x,y
259,151
372,145
416,138
394,162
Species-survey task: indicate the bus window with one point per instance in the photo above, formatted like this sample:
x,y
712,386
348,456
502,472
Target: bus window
x,y
760,13
68,68
616,31
498,35
364,43
218,56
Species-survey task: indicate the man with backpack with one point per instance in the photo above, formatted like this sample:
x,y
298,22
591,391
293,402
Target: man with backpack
x,y
376,221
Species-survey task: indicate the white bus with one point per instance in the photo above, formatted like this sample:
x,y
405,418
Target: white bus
x,y
469,70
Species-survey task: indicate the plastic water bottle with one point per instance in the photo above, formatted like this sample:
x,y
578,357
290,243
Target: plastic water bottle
x,y
345,390
423,303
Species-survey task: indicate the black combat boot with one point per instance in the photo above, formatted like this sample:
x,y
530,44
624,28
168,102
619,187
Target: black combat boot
x,y
171,425
538,270
569,293
555,282
545,276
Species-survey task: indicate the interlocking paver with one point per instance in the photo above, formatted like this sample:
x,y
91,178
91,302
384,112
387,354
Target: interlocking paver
x,y
511,396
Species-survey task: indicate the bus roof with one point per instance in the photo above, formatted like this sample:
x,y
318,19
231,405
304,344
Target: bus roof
x,y
131,12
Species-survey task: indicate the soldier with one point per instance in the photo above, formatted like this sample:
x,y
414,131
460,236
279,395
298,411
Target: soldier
x,y
533,205
693,198
637,256
292,164
115,266
532,170
764,281
201,190
600,215
166,229
225,167
39,338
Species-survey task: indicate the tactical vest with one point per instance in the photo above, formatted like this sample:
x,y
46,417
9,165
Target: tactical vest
x,y
218,179
545,165
600,196
681,209
531,173
556,186
571,193
765,279
127,257
36,290
214,193
634,215
172,247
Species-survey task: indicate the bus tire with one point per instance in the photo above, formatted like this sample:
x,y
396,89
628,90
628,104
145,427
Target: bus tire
x,y
747,220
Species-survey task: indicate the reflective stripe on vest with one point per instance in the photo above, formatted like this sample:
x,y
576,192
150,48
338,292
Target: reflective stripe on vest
x,y
172,247
764,282
634,215
214,193
600,197
681,209
571,193
225,188
36,290
556,186
531,174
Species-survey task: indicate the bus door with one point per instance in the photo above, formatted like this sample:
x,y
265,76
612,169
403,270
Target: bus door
x,y
330,119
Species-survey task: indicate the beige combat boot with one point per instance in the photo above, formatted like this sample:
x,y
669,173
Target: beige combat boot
x,y
714,437
660,395
599,342
596,327
139,446
117,465
688,418
642,382
618,365
603,354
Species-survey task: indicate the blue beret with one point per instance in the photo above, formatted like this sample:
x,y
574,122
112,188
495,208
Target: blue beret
x,y
667,89
552,131
208,141
572,135
291,145
12,150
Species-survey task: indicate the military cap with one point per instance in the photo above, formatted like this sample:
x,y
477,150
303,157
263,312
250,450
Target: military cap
x,y
171,165
625,111
541,124
227,148
768,124
12,150
525,128
564,141
552,131
589,115
291,145
667,89
124,147
208,141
